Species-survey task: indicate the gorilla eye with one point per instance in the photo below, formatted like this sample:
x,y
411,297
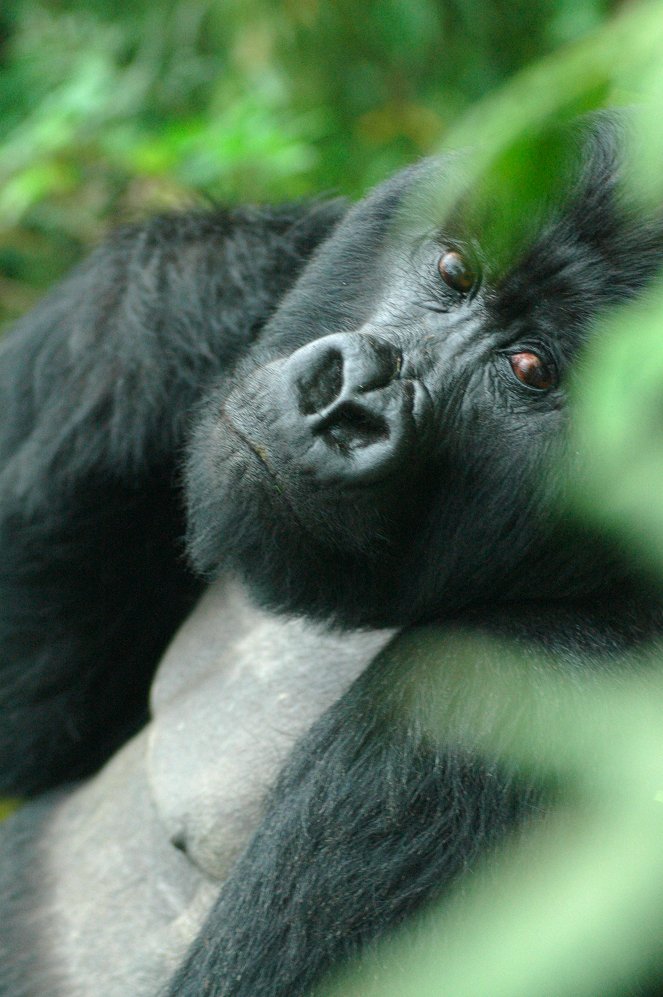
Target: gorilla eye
x,y
456,271
531,370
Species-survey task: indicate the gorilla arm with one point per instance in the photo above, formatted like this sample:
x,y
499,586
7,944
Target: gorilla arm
x,y
386,801
96,386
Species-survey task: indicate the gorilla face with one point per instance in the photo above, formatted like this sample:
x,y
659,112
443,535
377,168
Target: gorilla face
x,y
391,445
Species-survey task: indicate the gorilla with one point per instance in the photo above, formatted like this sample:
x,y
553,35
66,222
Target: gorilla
x,y
250,460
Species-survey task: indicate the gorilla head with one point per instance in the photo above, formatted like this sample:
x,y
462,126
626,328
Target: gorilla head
x,y
390,448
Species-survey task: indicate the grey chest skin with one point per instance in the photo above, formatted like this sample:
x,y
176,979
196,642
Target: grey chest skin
x,y
119,873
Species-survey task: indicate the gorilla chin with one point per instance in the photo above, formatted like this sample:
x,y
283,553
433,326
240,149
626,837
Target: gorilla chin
x,y
325,446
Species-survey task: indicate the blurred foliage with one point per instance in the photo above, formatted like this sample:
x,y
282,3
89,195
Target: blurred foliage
x,y
621,427
575,907
108,110
7,806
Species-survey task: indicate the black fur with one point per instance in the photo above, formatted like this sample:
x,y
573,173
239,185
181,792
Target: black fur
x,y
394,473
97,388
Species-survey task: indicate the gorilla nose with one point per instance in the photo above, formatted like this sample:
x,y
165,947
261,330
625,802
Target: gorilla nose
x,y
339,384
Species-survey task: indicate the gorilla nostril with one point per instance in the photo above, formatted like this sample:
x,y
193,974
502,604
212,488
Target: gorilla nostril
x,y
319,387
351,427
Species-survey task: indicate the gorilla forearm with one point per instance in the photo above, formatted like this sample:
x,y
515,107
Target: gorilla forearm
x,y
82,623
368,821
401,787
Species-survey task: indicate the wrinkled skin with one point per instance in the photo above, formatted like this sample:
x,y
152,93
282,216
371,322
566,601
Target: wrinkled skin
x,y
371,419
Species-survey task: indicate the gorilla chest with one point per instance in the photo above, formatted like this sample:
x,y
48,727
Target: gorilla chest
x,y
235,690
127,864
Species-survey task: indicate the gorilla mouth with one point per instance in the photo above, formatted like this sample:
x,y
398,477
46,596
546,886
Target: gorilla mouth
x,y
355,442
259,451
353,427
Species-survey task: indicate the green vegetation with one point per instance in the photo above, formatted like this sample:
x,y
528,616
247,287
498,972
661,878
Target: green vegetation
x,y
108,111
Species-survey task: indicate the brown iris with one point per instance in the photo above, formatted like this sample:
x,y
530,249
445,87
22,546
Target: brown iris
x,y
456,271
532,370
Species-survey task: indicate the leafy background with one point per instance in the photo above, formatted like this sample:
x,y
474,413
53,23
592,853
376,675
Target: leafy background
x,y
108,112
111,110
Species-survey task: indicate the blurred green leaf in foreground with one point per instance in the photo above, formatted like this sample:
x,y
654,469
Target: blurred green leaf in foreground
x,y
574,907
